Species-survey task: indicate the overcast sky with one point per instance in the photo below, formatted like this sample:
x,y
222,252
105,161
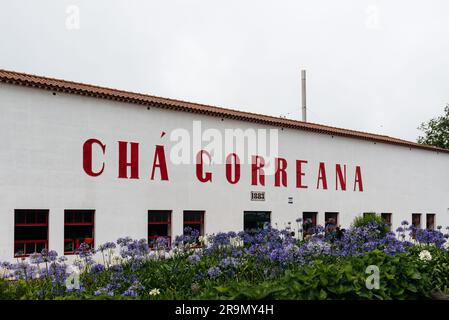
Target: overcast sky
x,y
377,66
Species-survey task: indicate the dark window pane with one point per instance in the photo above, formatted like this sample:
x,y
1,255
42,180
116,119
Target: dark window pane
x,y
309,221
20,218
30,218
31,233
386,217
88,217
331,217
158,217
253,221
416,220
81,232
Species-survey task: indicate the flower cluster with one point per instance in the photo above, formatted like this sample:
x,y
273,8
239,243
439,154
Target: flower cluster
x,y
425,236
216,257
425,255
190,237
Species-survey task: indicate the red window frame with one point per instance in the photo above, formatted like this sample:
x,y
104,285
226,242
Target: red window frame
x,y
166,222
200,221
194,222
81,221
30,219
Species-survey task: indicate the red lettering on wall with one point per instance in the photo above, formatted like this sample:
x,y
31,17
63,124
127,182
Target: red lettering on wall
x,y
233,158
358,179
322,176
123,163
300,174
280,175
200,168
160,162
340,177
257,172
128,167
87,157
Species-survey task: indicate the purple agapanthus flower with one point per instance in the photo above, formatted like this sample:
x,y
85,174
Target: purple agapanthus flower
x,y
214,272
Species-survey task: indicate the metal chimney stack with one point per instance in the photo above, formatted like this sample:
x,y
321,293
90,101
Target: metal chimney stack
x,y
303,95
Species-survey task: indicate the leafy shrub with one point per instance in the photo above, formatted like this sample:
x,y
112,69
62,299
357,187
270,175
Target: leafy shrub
x,y
401,277
369,219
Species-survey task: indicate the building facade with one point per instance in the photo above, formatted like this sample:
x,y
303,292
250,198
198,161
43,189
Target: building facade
x,y
80,163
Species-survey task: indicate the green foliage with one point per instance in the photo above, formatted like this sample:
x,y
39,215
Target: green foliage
x,y
371,217
401,277
437,269
436,131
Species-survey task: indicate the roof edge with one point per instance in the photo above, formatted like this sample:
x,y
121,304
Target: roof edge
x,y
59,85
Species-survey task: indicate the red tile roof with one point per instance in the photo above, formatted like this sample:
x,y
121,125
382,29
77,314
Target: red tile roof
x,y
144,99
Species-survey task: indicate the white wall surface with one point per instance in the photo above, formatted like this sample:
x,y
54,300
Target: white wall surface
x,y
41,168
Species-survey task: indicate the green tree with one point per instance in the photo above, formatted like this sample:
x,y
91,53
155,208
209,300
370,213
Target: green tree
x,y
436,131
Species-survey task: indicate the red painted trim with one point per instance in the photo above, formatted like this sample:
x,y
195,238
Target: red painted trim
x,y
72,213
163,217
76,244
79,212
79,224
29,241
194,222
25,243
24,215
201,217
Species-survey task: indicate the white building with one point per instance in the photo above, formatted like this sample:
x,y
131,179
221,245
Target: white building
x,y
84,163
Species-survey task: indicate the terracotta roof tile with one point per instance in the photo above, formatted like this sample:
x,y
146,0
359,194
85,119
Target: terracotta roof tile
x,y
119,95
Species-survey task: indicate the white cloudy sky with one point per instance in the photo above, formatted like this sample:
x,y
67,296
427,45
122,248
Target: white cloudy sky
x,y
378,66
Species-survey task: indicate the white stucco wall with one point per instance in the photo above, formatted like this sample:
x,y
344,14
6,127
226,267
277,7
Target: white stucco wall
x,y
41,168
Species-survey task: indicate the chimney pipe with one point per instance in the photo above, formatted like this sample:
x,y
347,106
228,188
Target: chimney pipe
x,y
303,95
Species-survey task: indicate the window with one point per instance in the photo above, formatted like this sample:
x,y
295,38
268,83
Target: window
x,y
416,220
386,217
256,220
331,217
194,220
309,222
159,225
78,229
430,221
330,221
30,231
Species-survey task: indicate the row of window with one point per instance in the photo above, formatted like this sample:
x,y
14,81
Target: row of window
x,y
430,220
331,218
31,226
416,219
